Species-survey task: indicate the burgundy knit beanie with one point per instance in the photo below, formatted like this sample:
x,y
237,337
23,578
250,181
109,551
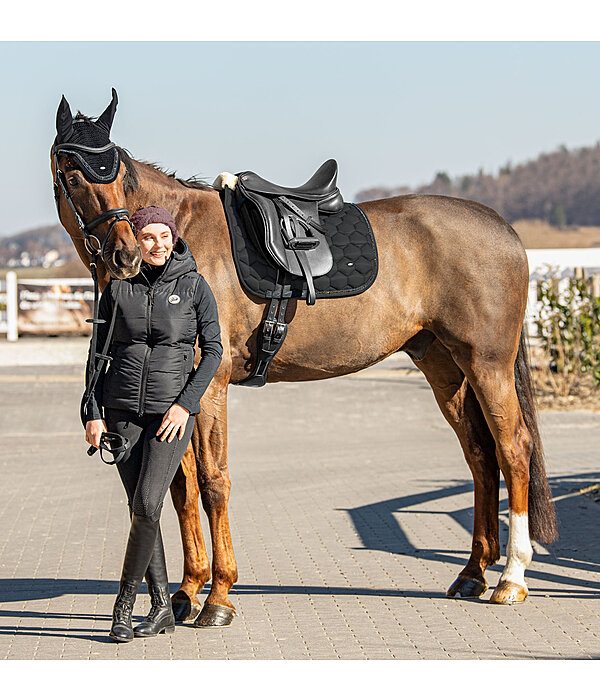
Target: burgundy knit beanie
x,y
154,215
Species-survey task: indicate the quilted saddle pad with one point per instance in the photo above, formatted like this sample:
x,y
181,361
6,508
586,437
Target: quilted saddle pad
x,y
352,243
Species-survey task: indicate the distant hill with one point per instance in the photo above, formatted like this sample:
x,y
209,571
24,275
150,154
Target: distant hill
x,y
45,246
562,188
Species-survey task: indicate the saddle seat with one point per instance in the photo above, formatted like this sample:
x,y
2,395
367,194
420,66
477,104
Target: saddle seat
x,y
320,187
285,224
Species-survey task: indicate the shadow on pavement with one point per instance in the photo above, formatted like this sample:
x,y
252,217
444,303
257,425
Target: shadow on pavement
x,y
564,564
577,549
15,590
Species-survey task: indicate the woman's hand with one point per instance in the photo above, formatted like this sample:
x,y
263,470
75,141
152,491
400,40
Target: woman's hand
x,y
94,430
173,422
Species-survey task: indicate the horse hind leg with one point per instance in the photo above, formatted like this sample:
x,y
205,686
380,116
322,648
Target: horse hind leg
x,y
460,407
518,449
514,447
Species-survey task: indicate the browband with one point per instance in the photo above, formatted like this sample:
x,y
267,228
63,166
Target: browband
x,y
79,147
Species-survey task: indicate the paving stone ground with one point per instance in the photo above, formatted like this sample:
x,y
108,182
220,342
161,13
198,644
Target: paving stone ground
x,y
347,530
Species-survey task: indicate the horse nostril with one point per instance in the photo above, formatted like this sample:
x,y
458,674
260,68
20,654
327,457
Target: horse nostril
x,y
123,258
118,257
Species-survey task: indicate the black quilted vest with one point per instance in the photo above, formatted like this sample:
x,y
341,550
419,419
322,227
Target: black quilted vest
x,y
153,341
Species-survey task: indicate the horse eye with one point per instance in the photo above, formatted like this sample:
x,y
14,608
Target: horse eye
x,y
73,181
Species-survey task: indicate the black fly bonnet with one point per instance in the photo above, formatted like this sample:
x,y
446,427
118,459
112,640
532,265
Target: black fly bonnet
x,y
88,142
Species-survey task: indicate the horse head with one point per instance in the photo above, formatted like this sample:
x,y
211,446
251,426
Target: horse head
x,y
89,190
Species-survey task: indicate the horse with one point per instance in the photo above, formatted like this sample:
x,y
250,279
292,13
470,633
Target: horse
x,y
451,292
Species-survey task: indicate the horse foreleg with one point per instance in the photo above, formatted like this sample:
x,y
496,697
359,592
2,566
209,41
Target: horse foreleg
x,y
460,407
196,566
210,447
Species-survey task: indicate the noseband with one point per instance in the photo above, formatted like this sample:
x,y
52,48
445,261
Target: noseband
x,y
117,214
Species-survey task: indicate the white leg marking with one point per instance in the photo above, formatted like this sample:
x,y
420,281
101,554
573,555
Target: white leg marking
x,y
519,550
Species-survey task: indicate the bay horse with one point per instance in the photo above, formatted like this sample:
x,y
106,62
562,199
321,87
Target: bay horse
x,y
451,291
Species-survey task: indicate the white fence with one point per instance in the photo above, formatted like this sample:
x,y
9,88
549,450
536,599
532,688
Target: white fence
x,y
78,303
45,306
8,299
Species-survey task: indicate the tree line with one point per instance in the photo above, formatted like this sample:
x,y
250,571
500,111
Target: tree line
x,y
562,188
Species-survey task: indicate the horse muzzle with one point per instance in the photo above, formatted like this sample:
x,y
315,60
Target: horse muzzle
x,y
122,262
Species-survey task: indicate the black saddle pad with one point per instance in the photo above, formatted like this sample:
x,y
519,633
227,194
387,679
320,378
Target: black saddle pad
x,y
352,242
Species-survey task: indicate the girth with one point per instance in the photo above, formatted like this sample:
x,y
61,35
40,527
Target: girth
x,y
271,335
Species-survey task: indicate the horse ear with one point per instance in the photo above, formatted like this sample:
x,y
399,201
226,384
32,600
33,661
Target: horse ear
x,y
106,118
64,121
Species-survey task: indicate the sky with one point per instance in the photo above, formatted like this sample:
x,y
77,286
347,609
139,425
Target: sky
x,y
390,113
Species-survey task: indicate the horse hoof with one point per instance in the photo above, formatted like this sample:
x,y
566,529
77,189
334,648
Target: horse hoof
x,y
507,593
214,616
465,587
184,610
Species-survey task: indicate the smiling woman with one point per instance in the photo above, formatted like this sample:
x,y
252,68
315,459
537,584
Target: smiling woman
x,y
148,395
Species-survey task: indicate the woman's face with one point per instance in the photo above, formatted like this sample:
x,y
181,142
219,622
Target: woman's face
x,y
156,242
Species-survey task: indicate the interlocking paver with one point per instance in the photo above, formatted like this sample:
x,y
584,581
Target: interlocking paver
x,y
346,534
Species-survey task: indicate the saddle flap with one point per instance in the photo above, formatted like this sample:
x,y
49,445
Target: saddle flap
x,y
284,238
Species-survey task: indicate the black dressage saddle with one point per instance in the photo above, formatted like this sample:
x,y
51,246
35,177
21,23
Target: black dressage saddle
x,y
296,242
285,223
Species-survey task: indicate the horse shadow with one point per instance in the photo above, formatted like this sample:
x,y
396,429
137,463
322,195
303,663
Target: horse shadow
x,y
379,526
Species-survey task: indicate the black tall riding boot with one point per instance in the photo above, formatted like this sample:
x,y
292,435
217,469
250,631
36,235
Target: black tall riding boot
x,y
140,545
160,618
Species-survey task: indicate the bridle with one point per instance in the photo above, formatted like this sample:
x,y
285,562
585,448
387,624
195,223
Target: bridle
x,y
117,214
109,442
99,166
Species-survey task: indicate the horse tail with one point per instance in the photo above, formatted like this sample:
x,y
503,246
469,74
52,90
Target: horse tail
x,y
542,513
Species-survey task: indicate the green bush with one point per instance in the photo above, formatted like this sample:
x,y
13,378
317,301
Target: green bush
x,y
568,324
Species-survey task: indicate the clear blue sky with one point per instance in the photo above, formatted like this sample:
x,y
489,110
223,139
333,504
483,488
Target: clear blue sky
x,y
391,113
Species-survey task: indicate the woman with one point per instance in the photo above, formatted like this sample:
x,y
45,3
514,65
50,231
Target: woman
x,y
148,395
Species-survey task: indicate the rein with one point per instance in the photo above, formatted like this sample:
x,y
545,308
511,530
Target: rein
x,y
110,442
114,443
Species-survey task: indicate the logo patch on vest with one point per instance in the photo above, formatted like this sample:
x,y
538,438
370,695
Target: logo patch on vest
x,y
174,299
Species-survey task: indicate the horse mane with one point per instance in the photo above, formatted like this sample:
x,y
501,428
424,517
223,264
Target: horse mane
x,y
131,182
132,179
